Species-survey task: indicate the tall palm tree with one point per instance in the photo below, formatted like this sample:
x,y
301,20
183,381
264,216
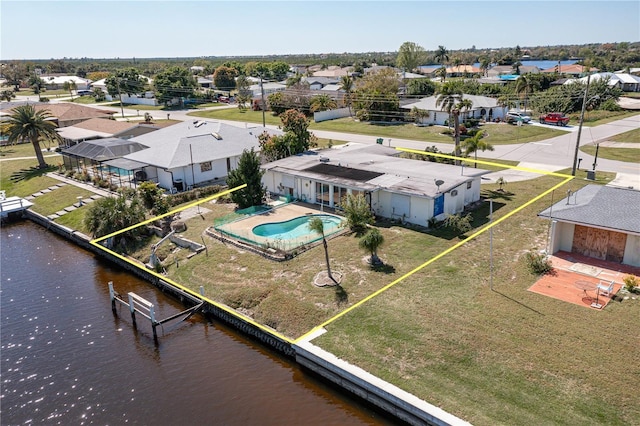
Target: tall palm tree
x,y
448,98
371,241
316,225
485,62
322,103
464,106
25,123
475,143
442,57
70,86
347,85
523,86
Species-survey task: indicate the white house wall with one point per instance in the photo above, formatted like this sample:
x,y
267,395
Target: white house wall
x,y
632,250
421,210
565,232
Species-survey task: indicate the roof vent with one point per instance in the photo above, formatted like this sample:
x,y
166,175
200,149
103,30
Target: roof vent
x,y
216,135
324,159
198,123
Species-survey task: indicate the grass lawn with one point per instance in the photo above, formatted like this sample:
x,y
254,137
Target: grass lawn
x,y
629,155
84,100
496,134
496,357
26,150
598,117
632,136
33,180
58,199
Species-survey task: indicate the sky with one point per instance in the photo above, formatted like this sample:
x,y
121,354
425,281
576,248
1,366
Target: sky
x,y
148,29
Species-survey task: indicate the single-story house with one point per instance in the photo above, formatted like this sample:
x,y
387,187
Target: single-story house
x,y
57,81
67,114
269,88
412,191
317,83
483,107
623,81
602,222
334,71
97,128
573,69
194,152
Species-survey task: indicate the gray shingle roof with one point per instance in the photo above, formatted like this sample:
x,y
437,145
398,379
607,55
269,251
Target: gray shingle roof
x,y
602,206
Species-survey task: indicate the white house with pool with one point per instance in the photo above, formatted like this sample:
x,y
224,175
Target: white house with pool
x,y
412,191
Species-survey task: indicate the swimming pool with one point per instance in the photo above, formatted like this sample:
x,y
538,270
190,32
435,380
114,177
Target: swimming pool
x,y
297,227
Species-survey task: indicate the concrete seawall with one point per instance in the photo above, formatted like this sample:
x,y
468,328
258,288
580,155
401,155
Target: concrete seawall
x,y
363,385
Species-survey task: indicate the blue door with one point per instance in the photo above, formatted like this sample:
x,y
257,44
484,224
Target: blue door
x,y
438,205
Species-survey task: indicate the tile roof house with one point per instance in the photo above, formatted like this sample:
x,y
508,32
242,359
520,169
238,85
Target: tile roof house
x,y
412,191
573,69
483,107
67,114
194,152
96,128
602,222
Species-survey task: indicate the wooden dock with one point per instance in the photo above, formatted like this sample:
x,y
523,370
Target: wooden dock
x,y
12,206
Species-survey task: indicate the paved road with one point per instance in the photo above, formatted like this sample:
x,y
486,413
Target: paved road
x,y
551,154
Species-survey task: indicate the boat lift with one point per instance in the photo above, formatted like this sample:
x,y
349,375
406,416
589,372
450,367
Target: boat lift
x,y
137,304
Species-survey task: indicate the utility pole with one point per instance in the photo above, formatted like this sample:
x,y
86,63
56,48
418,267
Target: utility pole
x,y
584,106
262,96
120,96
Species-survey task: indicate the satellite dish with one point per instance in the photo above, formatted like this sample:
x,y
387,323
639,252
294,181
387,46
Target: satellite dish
x,y
438,182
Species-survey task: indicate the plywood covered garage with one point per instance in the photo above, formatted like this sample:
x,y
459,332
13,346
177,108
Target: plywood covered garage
x,y
598,221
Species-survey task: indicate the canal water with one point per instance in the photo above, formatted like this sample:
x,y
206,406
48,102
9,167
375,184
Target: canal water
x,y
66,359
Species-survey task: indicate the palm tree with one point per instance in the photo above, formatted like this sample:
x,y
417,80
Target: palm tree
x,y
70,86
442,57
418,114
371,241
347,85
448,98
322,103
523,85
485,62
475,143
25,123
7,95
316,225
442,73
505,103
465,105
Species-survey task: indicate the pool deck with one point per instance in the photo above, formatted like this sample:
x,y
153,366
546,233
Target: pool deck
x,y
243,227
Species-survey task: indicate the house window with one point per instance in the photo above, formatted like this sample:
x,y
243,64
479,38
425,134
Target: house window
x,y
322,193
205,167
469,184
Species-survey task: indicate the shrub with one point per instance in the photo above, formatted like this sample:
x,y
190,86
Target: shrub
x,y
537,263
357,211
630,282
610,105
458,223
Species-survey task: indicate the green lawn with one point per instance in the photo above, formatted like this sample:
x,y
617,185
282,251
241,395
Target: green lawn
x,y
497,134
632,136
629,155
32,181
25,150
88,99
58,199
598,117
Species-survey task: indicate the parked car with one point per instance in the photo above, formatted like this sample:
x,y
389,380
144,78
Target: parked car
x,y
514,117
84,93
557,118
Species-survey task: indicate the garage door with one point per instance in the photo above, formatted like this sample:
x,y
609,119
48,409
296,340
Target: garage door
x,y
599,243
401,205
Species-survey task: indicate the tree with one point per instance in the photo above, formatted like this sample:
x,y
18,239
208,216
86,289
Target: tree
x,y
37,84
418,114
371,241
442,57
7,95
244,94
111,214
249,172
296,123
25,123
464,105
410,56
225,78
99,95
442,73
357,212
278,70
448,98
275,147
127,81
522,88
346,83
421,86
376,97
174,83
475,143
322,103
70,86
485,62
316,225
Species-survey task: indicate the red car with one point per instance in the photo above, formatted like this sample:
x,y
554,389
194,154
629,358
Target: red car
x,y
556,118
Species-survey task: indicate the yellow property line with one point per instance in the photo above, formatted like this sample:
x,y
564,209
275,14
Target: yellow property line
x,y
489,163
181,287
444,253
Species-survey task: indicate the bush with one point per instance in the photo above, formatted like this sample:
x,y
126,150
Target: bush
x,y
610,105
458,223
194,194
537,263
630,282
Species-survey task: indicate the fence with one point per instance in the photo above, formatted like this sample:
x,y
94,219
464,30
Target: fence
x,y
331,114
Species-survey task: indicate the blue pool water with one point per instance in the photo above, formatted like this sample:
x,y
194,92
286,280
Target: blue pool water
x,y
296,228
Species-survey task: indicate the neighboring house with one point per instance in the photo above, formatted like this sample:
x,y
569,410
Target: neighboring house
x,y
597,221
575,70
462,70
269,88
97,128
194,152
145,98
624,82
317,83
67,114
483,108
412,191
57,81
93,154
334,71
498,70
428,70
205,83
